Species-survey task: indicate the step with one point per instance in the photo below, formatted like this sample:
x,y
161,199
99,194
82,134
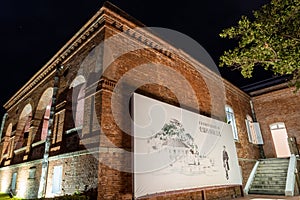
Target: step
x,y
276,175
270,190
275,187
273,165
272,161
265,191
269,187
268,182
279,172
285,165
270,179
271,171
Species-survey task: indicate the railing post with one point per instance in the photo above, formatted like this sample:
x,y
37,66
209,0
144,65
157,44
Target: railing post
x,y
250,179
290,179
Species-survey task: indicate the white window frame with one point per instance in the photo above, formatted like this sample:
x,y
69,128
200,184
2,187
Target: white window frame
x,y
230,119
278,125
13,185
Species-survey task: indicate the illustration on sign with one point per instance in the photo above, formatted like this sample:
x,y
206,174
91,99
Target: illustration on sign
x,y
190,149
181,147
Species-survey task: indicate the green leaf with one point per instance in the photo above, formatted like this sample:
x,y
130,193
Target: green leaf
x,y
271,40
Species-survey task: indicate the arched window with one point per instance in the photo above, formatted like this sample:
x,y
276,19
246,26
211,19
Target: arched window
x,y
9,130
42,114
78,97
22,132
277,126
230,119
8,145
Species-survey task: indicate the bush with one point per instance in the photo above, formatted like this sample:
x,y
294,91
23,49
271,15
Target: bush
x,y
74,197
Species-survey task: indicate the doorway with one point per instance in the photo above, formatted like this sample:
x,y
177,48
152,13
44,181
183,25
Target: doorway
x,y
280,140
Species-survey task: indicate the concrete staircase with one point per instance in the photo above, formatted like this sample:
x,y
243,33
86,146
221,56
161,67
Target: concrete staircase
x,y
270,177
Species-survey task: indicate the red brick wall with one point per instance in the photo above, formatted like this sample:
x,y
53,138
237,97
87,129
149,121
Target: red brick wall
x,y
278,106
222,192
239,101
112,173
247,152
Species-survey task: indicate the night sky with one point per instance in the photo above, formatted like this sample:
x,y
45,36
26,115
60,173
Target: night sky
x,y
33,31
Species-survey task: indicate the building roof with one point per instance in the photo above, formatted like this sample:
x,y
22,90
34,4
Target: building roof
x,y
267,85
69,48
77,41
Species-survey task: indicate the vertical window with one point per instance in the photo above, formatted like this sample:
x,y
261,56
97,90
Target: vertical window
x,y
250,128
46,122
11,145
32,171
78,98
23,137
23,127
230,119
13,181
7,144
42,115
80,107
58,126
57,179
26,132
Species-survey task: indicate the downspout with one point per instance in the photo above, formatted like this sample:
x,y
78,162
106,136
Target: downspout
x,y
45,162
2,125
252,111
261,150
1,131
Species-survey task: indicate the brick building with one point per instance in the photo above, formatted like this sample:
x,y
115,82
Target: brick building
x,y
67,129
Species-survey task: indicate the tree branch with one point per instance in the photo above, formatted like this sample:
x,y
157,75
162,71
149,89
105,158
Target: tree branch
x,y
291,37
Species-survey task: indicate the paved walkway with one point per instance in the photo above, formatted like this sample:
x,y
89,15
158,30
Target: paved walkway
x,y
267,197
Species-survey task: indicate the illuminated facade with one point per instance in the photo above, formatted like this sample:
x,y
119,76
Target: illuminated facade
x,y
65,130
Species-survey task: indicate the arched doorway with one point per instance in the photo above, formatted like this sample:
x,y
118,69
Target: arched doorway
x,y
280,140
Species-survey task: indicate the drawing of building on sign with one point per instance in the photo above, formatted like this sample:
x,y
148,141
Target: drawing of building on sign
x,y
183,152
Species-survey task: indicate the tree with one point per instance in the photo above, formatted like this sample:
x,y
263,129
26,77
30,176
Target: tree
x,y
270,40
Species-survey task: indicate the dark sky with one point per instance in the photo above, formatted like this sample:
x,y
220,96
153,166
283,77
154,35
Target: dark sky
x,y
33,31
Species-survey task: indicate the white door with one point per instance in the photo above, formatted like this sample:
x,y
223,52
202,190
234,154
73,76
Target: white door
x,y
280,139
57,179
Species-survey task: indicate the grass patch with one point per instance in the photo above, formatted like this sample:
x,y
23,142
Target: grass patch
x,y
6,196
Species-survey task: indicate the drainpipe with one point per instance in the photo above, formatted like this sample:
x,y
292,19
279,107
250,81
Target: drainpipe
x,y
2,125
260,146
45,162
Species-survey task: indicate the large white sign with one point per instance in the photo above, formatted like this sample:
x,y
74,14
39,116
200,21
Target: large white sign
x,y
176,149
